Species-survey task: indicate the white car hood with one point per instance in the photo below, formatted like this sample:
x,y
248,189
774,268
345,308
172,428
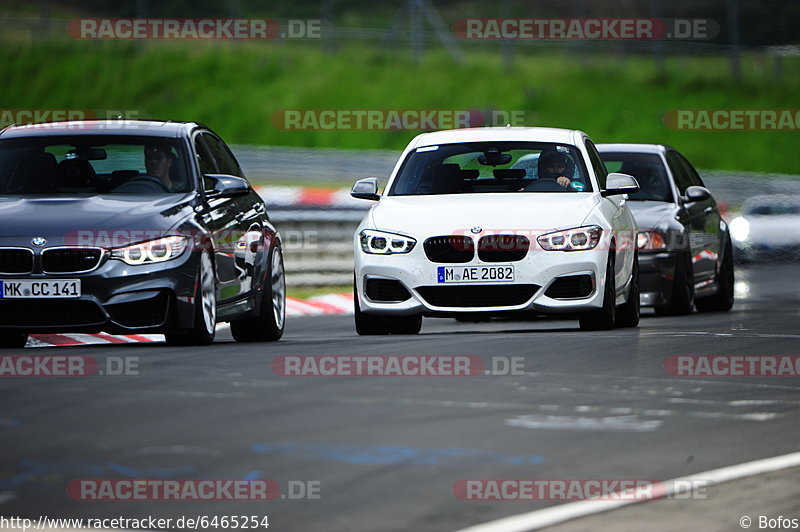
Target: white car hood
x,y
451,213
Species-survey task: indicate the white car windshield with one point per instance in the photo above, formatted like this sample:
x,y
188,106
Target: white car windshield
x,y
481,167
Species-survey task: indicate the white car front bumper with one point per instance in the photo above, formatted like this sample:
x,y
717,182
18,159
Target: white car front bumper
x,y
533,276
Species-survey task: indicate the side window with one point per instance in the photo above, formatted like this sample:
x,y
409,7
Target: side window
x,y
597,164
694,177
679,172
204,159
226,162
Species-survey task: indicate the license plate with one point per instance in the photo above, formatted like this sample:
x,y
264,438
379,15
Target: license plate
x,y
50,289
475,274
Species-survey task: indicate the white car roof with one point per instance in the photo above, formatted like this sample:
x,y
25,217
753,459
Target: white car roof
x,y
773,199
631,148
498,134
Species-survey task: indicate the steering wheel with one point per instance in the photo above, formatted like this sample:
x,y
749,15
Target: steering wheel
x,y
154,184
544,184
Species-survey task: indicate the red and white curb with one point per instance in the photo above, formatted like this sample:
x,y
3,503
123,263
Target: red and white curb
x,y
280,196
327,304
320,305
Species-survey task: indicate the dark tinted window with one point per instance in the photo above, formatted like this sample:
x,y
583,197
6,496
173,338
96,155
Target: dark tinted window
x,y
204,158
600,169
92,164
648,170
694,177
226,162
477,167
679,172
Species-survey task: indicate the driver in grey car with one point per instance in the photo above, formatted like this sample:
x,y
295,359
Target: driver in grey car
x,y
158,160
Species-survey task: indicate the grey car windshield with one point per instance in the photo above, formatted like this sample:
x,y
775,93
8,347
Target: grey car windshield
x,y
648,170
93,164
480,167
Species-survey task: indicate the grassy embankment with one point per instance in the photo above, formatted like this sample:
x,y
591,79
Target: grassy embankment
x,y
237,87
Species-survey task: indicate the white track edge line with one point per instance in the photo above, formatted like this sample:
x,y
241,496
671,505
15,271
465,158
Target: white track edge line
x,y
538,519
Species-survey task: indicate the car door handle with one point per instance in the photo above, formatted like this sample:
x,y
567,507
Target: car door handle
x,y
708,210
239,216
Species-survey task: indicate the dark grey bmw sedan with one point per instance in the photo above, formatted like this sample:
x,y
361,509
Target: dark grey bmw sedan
x,y
685,251
131,227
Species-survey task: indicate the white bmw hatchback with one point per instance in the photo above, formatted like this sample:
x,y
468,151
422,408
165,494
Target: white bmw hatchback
x,y
492,221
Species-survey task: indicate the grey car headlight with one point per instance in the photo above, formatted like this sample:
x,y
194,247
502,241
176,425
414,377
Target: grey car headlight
x,y
651,240
152,251
383,243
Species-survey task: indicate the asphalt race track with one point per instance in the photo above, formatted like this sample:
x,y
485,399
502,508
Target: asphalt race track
x,y
386,452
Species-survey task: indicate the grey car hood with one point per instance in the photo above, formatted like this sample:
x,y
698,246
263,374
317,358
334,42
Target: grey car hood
x,y
652,214
63,219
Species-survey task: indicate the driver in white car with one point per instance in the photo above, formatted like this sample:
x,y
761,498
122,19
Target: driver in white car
x,y
554,165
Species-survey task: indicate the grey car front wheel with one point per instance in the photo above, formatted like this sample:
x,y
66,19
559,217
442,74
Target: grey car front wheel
x,y
268,325
205,308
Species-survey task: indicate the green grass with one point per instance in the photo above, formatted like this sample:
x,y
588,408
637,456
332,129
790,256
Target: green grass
x,y
305,292
237,87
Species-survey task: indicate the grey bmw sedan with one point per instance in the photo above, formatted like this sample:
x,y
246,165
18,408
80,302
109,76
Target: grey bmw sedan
x,y
685,250
131,227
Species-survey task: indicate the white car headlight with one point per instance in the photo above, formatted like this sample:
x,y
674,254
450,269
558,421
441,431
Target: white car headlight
x,y
740,229
382,243
577,239
159,250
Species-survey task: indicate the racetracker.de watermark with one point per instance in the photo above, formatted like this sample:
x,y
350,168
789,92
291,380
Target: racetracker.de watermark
x,y
733,119
392,119
67,366
69,119
204,29
395,366
518,239
607,489
223,240
172,490
733,366
582,29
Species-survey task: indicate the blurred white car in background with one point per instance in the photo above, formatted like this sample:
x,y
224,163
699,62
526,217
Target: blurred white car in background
x,y
768,228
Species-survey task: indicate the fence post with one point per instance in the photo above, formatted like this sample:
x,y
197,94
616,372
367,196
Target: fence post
x,y
44,18
656,11
733,37
506,45
415,29
326,14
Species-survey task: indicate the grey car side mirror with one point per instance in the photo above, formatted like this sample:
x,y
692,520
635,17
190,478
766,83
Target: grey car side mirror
x,y
696,193
227,186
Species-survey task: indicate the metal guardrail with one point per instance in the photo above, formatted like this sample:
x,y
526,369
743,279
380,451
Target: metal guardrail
x,y
318,244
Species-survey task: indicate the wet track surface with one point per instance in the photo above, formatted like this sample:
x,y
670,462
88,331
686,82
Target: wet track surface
x,y
387,451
